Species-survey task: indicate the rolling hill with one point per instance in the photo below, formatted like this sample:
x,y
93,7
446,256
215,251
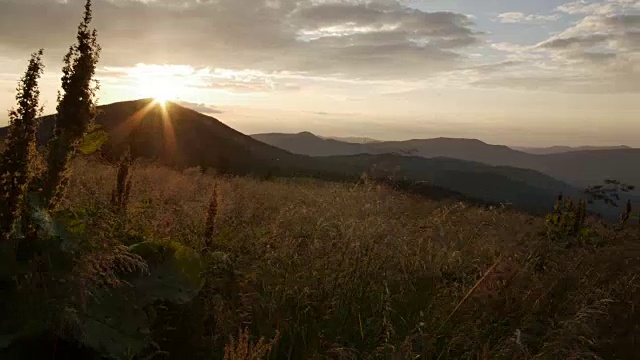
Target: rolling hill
x,y
180,137
175,135
579,168
525,189
565,149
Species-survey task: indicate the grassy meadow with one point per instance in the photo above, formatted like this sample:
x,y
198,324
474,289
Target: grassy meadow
x,y
309,269
141,262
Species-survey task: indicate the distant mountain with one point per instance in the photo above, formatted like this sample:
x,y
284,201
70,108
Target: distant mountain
x,y
463,149
579,168
585,168
180,137
352,139
306,143
565,149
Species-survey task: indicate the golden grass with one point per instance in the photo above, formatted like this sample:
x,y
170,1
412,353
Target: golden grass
x,y
344,271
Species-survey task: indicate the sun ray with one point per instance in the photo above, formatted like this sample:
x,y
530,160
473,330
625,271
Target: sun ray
x,y
170,146
169,150
123,130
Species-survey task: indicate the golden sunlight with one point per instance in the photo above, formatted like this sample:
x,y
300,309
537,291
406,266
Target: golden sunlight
x,y
160,82
160,88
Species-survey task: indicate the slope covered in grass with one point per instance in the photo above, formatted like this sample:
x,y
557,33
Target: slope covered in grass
x,y
182,138
343,271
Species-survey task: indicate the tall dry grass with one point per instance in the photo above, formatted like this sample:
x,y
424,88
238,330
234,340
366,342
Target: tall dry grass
x,y
342,271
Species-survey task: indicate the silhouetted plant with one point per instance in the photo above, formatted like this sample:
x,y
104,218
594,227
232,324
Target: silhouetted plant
x,y
120,194
223,165
17,159
366,180
242,348
76,108
626,214
268,175
212,212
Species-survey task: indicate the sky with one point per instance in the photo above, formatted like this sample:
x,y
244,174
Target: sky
x,y
515,72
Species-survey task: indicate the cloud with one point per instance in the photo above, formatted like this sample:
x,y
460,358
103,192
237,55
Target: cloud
x,y
575,41
347,39
495,67
508,47
180,78
598,54
521,18
606,7
613,33
262,46
200,107
334,114
555,83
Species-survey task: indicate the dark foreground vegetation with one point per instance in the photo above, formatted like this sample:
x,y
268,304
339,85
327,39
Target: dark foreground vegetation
x,y
319,270
138,261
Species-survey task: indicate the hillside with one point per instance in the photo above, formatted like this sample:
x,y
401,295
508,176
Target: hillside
x,y
333,270
579,168
184,138
523,188
179,136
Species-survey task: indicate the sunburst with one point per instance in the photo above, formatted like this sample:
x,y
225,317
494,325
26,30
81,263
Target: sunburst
x,y
162,83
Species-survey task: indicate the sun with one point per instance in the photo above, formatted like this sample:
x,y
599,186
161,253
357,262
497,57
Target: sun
x,y
160,89
162,99
162,83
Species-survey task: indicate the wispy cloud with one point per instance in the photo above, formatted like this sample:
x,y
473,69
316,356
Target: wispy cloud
x,y
521,18
606,7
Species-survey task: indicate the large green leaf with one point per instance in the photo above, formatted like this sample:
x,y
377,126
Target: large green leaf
x,y
174,272
119,321
93,141
115,324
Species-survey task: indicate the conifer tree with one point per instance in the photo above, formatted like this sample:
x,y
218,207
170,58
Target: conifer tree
x,y
16,161
76,108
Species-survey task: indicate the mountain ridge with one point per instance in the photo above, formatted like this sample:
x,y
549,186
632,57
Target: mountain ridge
x,y
581,168
180,137
563,149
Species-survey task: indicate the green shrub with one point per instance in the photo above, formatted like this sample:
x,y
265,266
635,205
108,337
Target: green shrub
x,y
568,221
